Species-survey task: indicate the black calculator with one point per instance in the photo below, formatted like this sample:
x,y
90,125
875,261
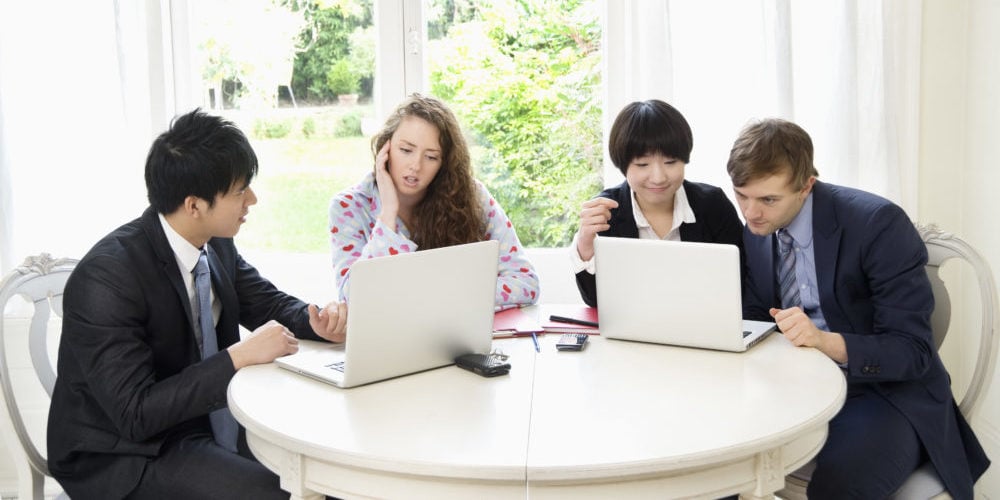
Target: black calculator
x,y
571,341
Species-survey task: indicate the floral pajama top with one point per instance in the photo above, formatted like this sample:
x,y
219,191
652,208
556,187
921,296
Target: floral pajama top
x,y
356,233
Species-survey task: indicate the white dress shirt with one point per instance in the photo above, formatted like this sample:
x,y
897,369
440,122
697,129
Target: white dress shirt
x,y
187,257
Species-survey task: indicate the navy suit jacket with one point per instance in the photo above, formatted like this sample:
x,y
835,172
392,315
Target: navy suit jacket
x,y
874,291
715,222
130,375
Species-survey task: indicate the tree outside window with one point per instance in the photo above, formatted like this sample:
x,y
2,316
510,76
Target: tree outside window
x,y
522,76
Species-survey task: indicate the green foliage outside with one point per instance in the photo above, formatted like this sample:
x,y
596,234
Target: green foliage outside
x,y
524,79
275,42
299,174
349,125
271,129
523,76
337,30
341,78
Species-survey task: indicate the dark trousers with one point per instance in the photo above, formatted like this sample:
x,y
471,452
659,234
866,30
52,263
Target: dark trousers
x,y
870,451
193,467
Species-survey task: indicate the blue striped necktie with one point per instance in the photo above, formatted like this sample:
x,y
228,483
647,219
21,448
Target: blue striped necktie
x,y
786,271
224,426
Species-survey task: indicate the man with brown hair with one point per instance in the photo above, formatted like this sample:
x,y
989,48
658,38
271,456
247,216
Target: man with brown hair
x,y
842,270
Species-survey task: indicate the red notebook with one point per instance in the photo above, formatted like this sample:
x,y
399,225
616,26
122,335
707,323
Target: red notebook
x,y
514,323
575,311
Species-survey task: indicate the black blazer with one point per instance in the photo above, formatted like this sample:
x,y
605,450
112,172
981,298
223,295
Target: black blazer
x,y
716,222
130,374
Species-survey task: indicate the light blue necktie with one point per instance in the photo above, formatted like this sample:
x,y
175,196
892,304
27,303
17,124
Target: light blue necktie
x,y
786,271
224,426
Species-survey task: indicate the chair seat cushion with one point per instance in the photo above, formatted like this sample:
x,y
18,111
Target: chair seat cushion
x,y
923,483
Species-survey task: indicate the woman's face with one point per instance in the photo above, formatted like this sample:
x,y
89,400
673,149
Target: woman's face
x,y
415,156
654,179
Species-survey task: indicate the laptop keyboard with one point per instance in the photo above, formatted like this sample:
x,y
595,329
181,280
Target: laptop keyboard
x,y
336,366
746,333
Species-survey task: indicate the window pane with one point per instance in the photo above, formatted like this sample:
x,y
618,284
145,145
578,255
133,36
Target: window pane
x,y
524,79
296,76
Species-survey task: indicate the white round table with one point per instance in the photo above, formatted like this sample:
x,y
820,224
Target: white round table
x,y
620,419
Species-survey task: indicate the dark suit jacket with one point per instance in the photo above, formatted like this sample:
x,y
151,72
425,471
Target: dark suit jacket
x,y
874,291
130,374
716,222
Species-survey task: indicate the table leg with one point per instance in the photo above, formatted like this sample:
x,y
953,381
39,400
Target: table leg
x,y
770,476
292,480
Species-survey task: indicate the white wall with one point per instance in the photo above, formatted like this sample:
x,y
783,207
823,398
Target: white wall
x,y
960,143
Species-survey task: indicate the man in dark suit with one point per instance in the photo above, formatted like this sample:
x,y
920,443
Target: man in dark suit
x,y
842,270
139,405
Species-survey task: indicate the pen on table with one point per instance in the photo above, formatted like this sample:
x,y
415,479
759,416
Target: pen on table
x,y
564,319
534,338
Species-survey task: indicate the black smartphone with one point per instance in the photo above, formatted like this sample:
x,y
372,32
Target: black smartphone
x,y
487,365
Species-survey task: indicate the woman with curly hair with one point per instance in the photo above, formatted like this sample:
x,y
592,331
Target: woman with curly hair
x,y
422,195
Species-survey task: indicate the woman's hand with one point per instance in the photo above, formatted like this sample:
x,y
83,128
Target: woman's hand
x,y
386,188
594,217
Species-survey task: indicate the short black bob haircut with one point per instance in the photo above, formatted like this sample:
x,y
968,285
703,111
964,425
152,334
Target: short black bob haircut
x,y
200,155
648,127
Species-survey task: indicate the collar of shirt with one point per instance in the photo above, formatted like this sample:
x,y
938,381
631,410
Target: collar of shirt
x,y
801,227
187,257
681,208
186,253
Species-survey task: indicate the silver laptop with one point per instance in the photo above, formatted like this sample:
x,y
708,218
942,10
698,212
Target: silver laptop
x,y
677,293
409,313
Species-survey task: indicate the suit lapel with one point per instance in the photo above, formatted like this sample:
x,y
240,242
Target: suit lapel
x,y
228,328
760,259
827,234
168,263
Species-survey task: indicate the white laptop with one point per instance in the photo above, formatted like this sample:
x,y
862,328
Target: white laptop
x,y
409,313
670,292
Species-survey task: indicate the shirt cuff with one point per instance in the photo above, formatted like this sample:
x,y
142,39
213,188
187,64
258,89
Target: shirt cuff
x,y
578,263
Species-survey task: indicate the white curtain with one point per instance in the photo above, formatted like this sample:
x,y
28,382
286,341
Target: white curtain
x,y
77,111
846,71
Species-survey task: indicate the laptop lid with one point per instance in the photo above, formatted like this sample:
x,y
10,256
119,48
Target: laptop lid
x,y
677,293
408,313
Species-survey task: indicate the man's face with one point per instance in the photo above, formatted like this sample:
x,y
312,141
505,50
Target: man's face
x,y
224,218
770,203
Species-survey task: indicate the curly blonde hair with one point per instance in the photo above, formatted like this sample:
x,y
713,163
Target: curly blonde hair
x,y
449,213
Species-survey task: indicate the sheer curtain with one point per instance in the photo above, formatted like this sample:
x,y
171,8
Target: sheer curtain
x,y
846,71
77,111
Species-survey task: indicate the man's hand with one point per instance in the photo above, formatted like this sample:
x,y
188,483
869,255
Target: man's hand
x,y
594,217
801,331
270,341
330,322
